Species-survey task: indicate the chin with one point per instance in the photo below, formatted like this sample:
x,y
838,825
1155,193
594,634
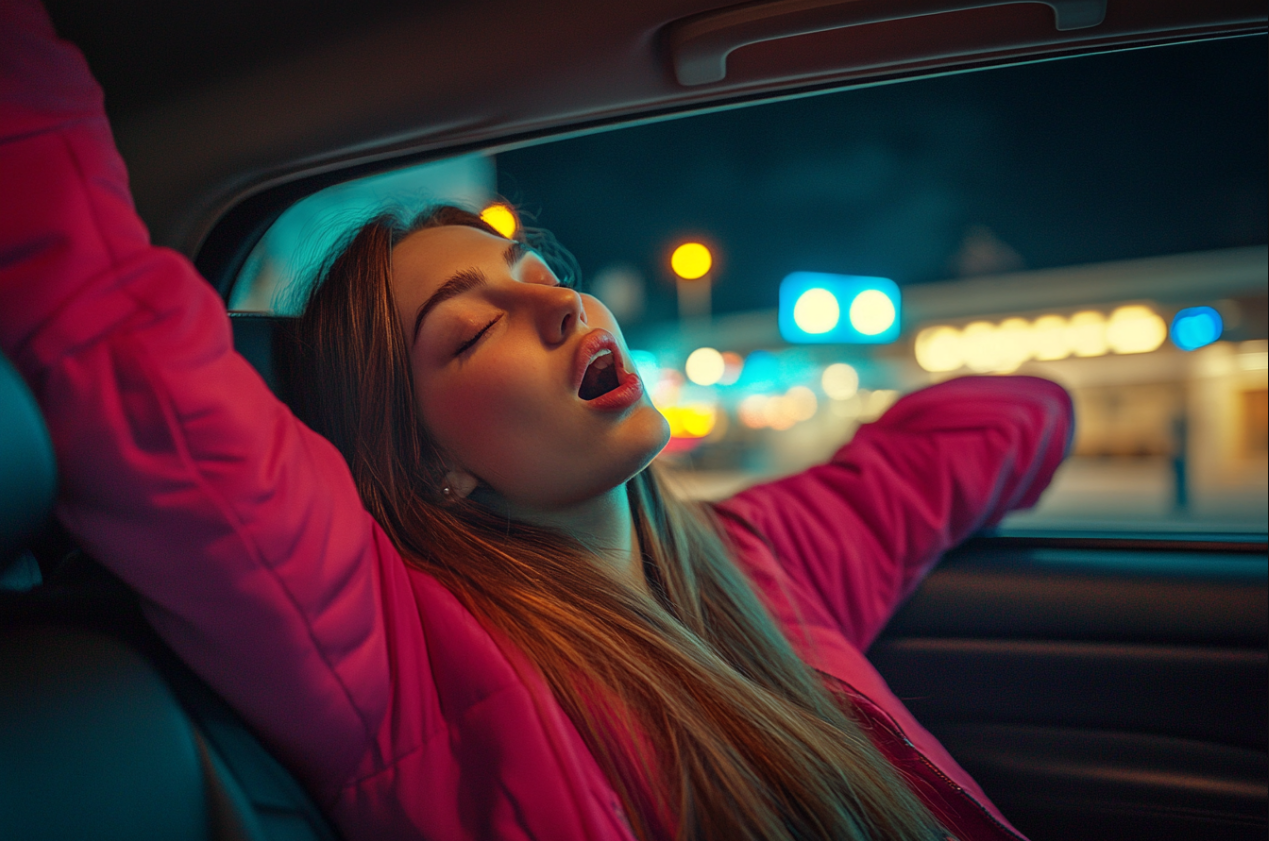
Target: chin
x,y
657,433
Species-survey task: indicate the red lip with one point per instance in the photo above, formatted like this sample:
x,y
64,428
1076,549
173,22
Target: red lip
x,y
630,389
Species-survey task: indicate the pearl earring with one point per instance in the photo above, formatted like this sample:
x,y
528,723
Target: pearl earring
x,y
447,490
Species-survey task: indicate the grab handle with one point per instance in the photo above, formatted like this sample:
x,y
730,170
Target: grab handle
x,y
699,45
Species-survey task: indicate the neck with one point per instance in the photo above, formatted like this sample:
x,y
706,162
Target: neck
x,y
604,525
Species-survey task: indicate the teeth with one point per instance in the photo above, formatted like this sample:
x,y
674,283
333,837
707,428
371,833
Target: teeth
x,y
601,376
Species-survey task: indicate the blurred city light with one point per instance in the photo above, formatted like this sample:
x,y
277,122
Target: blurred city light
x,y
1195,327
1014,337
762,369
938,349
693,420
816,311
979,345
750,411
871,312
811,305
1086,334
501,219
1135,329
802,402
840,381
705,366
691,260
645,363
734,365
985,347
1048,338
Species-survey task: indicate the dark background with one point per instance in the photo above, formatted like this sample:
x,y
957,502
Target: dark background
x,y
1137,153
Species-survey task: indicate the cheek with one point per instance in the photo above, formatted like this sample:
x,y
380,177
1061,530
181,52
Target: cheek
x,y
488,411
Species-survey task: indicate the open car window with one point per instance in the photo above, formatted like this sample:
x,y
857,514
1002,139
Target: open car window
x,y
1100,221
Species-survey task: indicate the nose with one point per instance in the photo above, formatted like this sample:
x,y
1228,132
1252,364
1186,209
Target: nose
x,y
560,312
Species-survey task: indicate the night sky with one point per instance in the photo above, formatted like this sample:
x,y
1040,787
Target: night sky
x,y
1058,163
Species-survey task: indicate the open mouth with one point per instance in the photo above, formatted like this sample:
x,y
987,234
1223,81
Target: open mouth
x,y
602,376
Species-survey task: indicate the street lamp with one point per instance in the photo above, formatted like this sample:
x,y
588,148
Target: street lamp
x,y
691,263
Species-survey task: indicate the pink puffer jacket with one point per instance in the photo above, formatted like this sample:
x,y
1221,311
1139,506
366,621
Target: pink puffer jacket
x,y
244,535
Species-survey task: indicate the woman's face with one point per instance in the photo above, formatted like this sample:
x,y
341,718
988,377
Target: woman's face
x,y
525,384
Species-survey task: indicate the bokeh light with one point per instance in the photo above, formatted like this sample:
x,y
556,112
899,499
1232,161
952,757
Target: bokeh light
x,y
1000,348
1048,338
501,219
938,349
752,411
817,311
802,403
693,420
691,260
821,308
1135,329
705,366
1196,327
645,363
978,344
1014,338
840,381
734,366
762,369
779,413
871,312
1086,334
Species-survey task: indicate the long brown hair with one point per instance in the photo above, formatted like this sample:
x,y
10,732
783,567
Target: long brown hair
x,y
692,701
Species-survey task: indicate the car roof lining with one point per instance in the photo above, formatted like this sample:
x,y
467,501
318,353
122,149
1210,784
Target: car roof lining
x,y
230,111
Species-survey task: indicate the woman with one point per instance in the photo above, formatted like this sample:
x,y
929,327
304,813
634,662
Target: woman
x,y
477,615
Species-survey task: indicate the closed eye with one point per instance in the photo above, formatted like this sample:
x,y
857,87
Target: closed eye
x,y
470,343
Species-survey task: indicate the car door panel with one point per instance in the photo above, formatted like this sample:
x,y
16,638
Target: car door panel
x,y
1098,689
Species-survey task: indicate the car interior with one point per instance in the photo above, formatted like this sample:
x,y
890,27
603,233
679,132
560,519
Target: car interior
x,y
1102,683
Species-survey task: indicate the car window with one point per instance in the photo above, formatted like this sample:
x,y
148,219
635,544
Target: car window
x,y
1100,221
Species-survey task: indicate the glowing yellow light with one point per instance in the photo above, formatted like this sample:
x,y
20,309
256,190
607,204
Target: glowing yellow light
x,y
802,402
939,349
1135,329
735,364
500,218
1048,338
817,311
980,346
751,411
871,312
691,260
1086,333
705,366
1013,339
840,381
690,421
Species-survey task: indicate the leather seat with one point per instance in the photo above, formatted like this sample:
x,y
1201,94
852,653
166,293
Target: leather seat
x,y
103,733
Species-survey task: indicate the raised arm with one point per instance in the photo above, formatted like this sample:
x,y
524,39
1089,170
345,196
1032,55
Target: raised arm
x,y
240,528
862,530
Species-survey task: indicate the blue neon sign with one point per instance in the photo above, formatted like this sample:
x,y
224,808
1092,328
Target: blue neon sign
x,y
840,309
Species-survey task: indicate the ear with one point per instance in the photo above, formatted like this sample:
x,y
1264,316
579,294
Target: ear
x,y
460,483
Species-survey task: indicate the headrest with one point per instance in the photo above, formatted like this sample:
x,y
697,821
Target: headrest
x,y
28,473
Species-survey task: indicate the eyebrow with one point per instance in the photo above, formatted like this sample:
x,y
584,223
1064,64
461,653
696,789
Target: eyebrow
x,y
463,281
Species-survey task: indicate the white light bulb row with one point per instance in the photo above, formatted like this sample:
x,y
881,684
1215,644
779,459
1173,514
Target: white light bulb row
x,y
1002,347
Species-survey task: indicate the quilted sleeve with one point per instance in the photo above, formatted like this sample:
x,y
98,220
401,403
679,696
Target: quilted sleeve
x,y
862,530
240,528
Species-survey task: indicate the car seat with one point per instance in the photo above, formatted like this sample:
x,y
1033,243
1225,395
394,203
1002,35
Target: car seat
x,y
104,734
